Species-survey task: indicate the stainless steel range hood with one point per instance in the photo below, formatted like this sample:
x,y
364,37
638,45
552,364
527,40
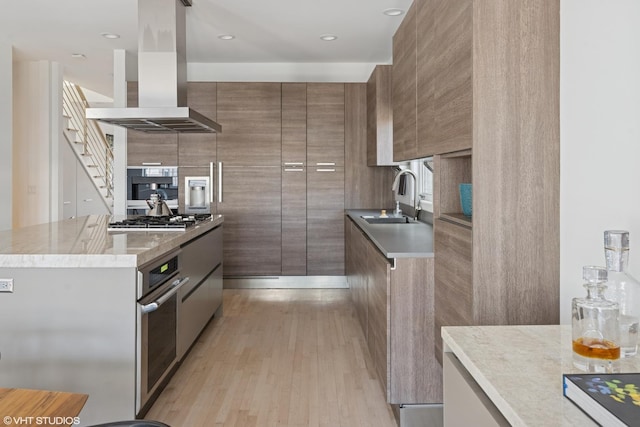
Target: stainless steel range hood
x,y
162,76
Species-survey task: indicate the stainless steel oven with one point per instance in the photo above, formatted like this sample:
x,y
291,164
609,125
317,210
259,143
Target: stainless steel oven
x,y
142,181
156,355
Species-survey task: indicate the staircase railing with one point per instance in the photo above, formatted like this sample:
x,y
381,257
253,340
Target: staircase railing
x,y
97,151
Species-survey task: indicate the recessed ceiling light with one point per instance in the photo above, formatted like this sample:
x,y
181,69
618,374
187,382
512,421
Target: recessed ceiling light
x,y
110,35
393,12
328,37
78,55
226,37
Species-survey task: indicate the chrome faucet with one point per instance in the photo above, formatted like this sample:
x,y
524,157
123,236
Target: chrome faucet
x,y
396,184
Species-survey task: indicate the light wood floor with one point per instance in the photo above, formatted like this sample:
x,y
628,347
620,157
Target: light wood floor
x,y
278,357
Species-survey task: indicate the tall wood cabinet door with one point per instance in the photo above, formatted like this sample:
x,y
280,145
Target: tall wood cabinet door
x,y
404,88
325,221
250,116
453,277
378,279
453,74
251,203
294,179
325,124
149,148
357,267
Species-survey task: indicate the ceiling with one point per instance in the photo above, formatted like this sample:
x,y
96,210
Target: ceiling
x,y
276,31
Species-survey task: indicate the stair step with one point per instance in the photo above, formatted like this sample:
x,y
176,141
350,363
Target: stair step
x,y
92,166
98,176
86,154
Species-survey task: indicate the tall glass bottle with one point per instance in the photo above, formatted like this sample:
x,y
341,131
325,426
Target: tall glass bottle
x,y
594,325
623,289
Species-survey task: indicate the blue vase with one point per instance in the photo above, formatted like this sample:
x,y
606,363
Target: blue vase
x,y
466,199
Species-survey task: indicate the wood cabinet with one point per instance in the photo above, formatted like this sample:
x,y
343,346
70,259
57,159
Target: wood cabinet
x,y
325,220
444,76
356,271
453,276
380,117
149,149
250,175
294,179
325,124
404,88
250,116
395,306
506,256
251,205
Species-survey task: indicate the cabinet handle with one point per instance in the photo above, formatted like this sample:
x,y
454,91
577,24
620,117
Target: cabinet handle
x,y
219,182
293,163
326,164
66,203
151,163
325,170
210,182
293,170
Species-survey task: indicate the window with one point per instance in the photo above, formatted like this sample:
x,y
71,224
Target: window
x,y
424,178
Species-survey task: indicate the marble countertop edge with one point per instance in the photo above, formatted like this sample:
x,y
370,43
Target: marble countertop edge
x,y
485,384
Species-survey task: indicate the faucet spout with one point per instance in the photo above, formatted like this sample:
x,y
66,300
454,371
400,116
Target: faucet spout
x,y
396,184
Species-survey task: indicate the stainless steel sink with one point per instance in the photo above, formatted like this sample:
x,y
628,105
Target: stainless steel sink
x,y
375,219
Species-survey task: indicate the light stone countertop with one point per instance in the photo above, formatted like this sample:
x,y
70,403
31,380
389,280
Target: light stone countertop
x,y
413,240
85,242
520,369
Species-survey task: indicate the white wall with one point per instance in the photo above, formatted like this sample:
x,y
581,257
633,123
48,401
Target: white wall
x,y
6,133
600,135
36,137
279,72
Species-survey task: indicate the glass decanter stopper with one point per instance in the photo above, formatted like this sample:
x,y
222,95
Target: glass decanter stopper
x,y
594,325
623,289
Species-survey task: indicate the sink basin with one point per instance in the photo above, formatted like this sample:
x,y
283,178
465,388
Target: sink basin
x,y
374,219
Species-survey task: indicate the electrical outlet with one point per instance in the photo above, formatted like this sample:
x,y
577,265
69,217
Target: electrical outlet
x,y
6,285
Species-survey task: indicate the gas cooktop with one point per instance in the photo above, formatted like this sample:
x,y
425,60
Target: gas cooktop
x,y
179,222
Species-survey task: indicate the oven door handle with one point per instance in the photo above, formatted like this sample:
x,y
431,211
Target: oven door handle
x,y
175,286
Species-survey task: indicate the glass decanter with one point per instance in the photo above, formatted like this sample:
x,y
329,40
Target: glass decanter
x,y
623,289
594,325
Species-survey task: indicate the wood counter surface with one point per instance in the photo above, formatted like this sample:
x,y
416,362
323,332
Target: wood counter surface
x,y
39,407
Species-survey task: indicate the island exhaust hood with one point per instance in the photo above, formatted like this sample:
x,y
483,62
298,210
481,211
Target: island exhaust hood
x,y
162,76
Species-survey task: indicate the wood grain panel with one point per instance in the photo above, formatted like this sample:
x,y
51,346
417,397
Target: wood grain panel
x,y
250,116
294,179
426,51
325,222
199,149
404,88
360,290
416,376
251,204
365,186
516,161
379,117
378,292
143,147
453,70
453,278
294,221
325,123
294,122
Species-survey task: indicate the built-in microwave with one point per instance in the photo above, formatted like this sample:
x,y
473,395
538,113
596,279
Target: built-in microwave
x,y
140,183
